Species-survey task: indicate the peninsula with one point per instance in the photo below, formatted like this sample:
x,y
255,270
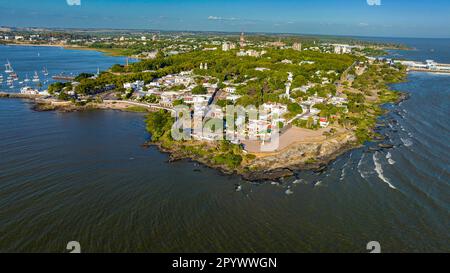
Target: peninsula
x,y
322,98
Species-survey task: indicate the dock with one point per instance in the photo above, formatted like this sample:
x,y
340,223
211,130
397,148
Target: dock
x,y
63,78
429,66
19,95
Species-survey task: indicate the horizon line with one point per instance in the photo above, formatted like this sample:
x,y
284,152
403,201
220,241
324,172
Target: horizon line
x,y
227,32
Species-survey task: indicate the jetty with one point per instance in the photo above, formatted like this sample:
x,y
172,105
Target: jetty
x,y
63,78
19,95
429,66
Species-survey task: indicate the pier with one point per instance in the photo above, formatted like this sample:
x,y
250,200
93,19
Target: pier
x,y
19,95
63,78
429,66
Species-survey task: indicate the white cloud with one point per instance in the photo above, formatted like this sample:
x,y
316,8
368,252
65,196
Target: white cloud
x,y
374,2
74,2
218,18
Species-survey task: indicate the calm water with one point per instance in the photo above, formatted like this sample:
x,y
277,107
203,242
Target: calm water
x,y
85,177
421,49
57,60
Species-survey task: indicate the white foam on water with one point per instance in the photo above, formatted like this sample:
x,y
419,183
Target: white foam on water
x,y
344,169
319,184
363,174
389,155
289,192
380,172
342,174
389,158
407,142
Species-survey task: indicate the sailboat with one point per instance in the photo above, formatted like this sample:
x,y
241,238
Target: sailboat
x,y
36,77
14,76
45,71
8,68
26,79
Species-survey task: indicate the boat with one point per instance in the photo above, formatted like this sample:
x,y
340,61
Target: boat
x,y
8,68
26,79
36,77
14,76
45,71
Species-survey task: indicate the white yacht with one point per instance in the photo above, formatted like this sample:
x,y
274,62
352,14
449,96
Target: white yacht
x,y
8,68
36,77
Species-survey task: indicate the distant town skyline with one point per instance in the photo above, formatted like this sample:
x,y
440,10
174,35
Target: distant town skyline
x,y
388,18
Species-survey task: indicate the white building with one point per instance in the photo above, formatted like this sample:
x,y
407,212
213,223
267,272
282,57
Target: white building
x,y
274,109
230,90
297,46
233,98
226,46
135,86
342,49
338,101
262,69
323,122
167,98
29,91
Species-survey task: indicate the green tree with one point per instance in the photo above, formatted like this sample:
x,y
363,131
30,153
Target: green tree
x,y
295,108
199,90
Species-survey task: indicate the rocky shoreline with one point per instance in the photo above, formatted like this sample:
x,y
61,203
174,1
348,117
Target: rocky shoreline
x,y
266,171
261,169
263,173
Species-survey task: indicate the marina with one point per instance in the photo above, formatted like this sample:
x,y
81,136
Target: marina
x,y
71,159
23,62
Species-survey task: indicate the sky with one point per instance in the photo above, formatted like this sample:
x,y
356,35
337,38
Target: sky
x,y
387,18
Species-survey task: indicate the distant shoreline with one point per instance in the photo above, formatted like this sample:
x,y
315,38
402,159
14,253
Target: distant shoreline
x,y
111,53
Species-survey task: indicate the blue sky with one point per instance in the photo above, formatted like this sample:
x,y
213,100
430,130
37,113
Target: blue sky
x,y
393,18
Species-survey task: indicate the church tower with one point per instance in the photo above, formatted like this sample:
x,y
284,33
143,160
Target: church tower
x,y
242,40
